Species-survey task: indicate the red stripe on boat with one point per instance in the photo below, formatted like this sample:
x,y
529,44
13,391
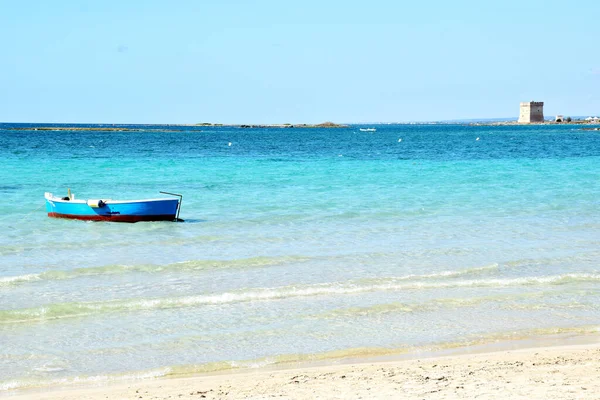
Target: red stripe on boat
x,y
114,218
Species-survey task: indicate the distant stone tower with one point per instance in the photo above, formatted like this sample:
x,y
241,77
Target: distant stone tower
x,y
531,111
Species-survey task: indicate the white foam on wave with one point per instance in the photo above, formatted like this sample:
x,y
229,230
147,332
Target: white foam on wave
x,y
447,274
10,385
47,368
10,280
340,289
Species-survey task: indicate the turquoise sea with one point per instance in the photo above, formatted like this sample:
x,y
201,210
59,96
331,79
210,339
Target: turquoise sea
x,y
297,245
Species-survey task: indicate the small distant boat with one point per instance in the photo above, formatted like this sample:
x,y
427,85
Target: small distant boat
x,y
163,209
367,129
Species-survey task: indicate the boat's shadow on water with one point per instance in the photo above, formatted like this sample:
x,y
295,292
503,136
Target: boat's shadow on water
x,y
185,221
9,188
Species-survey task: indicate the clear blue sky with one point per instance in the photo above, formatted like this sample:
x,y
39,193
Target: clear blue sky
x,y
274,61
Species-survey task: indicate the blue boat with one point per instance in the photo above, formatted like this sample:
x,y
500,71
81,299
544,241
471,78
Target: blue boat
x,y
163,209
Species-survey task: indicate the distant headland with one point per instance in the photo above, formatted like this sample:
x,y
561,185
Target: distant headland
x,y
532,112
574,121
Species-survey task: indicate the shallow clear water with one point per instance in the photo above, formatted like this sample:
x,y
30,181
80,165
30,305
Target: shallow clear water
x,y
298,244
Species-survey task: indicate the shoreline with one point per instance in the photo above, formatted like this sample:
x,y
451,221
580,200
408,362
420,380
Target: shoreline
x,y
527,365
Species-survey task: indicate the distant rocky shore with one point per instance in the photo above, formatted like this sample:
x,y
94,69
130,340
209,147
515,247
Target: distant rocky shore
x,y
322,125
126,129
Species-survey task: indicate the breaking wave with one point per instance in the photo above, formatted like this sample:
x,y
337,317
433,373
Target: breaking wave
x,y
77,309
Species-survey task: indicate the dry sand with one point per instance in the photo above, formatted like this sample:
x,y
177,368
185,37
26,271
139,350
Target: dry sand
x,y
565,372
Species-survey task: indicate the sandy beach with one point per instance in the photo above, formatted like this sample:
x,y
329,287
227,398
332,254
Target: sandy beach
x,y
557,372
